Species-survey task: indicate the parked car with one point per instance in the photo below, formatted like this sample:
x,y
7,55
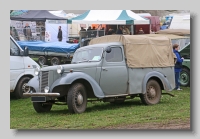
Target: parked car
x,y
185,73
21,69
111,69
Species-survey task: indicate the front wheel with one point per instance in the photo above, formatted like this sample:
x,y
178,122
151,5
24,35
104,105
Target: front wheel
x,y
153,93
41,107
77,98
185,77
22,88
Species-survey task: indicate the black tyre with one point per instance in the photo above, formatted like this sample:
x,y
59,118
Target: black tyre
x,y
185,77
22,88
55,61
153,93
77,98
41,107
42,60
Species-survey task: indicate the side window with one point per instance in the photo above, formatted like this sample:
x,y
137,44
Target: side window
x,y
83,55
14,50
115,55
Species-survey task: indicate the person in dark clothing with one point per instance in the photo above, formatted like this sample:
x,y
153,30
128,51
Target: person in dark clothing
x,y
119,31
89,28
111,31
59,34
27,32
178,66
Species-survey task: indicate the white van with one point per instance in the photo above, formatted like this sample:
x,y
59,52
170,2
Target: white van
x,y
21,69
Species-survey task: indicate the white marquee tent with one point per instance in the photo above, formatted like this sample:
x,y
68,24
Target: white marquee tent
x,y
119,17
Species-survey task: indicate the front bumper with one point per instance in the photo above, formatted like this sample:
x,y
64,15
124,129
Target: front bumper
x,y
41,97
42,94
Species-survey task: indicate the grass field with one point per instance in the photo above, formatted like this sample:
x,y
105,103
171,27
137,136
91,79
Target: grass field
x,y
99,115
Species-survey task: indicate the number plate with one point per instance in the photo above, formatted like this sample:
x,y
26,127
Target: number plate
x,y
38,99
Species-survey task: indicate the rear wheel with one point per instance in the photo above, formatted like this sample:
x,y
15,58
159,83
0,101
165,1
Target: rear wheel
x,y
77,98
153,93
42,60
55,61
185,77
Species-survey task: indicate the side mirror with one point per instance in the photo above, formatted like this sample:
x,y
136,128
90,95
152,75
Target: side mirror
x,y
108,49
26,51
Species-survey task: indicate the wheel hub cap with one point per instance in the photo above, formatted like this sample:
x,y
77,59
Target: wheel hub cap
x,y
152,92
184,78
79,99
25,88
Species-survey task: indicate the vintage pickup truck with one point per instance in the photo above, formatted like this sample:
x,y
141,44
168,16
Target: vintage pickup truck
x,y
111,69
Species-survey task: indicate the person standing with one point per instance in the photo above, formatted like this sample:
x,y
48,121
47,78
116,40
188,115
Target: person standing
x,y
59,34
83,33
125,31
119,31
178,66
27,32
89,28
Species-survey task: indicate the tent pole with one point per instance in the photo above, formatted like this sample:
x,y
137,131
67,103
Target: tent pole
x,y
132,29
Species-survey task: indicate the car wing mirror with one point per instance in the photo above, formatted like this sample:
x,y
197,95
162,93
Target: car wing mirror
x,y
108,49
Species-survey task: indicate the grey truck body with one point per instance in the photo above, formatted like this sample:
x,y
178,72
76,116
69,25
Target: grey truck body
x,y
104,78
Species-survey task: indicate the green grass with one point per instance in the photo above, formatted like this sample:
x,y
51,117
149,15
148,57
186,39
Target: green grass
x,y
99,115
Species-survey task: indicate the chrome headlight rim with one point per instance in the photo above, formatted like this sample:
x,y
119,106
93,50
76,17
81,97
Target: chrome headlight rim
x,y
60,69
37,71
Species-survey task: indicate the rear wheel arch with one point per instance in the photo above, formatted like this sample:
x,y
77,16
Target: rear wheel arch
x,y
153,78
159,82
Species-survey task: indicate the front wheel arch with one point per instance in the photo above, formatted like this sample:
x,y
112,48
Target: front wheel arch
x,y
19,87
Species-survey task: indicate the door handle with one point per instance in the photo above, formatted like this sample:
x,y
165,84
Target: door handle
x,y
104,69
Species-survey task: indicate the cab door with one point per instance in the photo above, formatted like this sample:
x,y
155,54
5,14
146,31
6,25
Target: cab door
x,y
16,64
114,74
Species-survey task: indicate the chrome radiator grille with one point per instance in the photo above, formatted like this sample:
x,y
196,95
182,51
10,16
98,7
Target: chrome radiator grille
x,y
44,80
